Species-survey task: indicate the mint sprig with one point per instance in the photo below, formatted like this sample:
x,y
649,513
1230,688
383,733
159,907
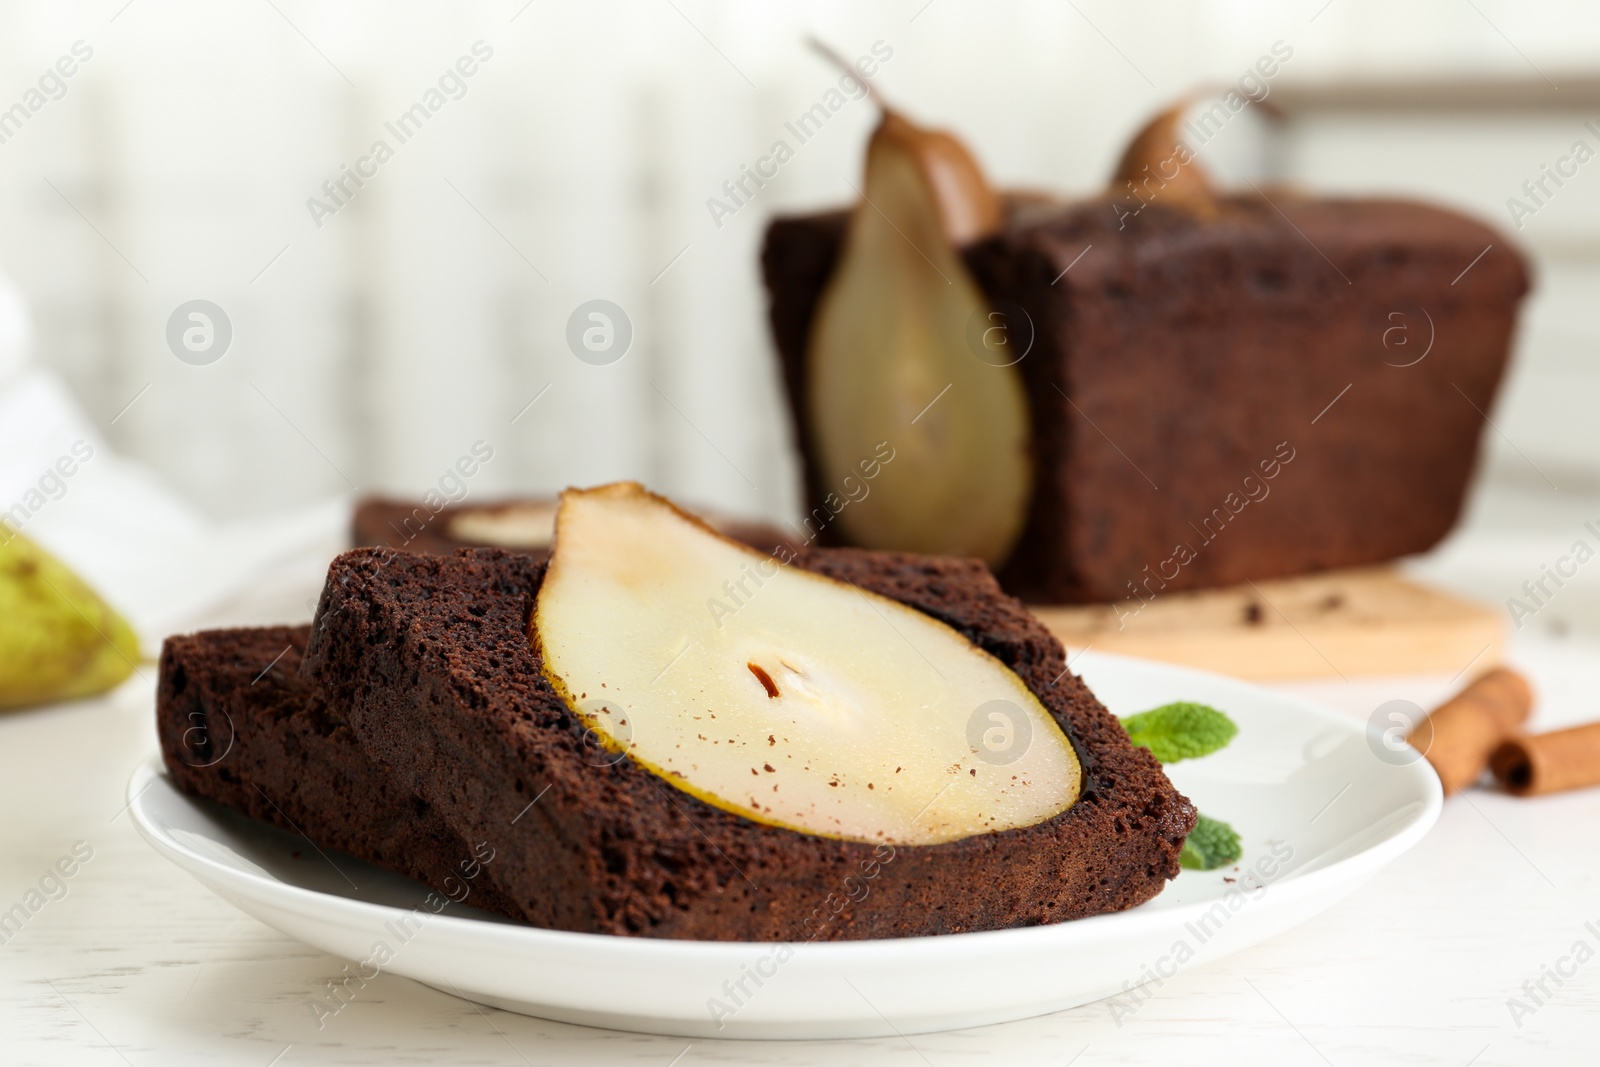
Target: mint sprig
x,y
1211,844
1180,731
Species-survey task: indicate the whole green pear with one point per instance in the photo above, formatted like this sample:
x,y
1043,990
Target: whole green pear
x,y
58,639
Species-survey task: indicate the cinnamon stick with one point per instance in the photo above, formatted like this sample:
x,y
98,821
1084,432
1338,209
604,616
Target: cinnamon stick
x,y
1460,735
1549,763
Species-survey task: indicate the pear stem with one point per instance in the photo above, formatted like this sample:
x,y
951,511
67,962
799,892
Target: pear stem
x,y
828,53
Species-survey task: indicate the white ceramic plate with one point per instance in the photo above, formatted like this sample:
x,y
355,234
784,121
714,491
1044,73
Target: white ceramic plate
x,y
1320,811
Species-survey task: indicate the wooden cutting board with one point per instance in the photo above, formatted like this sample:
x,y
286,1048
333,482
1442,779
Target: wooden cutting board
x,y
1340,623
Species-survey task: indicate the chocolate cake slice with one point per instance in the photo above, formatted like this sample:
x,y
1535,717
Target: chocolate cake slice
x,y
431,658
239,725
1276,385
522,524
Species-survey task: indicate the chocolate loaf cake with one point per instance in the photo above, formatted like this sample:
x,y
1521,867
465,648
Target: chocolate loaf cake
x,y
1270,387
431,657
239,725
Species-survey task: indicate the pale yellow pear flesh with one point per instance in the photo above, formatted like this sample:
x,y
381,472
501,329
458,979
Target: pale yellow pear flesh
x,y
889,360
779,694
529,525
58,639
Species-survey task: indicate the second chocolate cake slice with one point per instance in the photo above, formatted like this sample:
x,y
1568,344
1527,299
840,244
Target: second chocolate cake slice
x,y
433,661
239,726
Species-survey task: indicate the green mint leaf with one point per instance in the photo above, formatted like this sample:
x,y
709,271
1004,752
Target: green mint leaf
x,y
1180,731
1211,844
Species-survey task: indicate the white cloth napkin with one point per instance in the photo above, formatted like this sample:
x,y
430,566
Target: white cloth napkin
x,y
152,555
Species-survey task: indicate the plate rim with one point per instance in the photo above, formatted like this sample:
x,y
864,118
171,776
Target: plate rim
x,y
316,905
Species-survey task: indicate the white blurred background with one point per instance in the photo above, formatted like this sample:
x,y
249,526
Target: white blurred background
x,y
370,353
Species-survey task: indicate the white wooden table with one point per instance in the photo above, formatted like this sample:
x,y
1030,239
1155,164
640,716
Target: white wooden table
x,y
137,964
